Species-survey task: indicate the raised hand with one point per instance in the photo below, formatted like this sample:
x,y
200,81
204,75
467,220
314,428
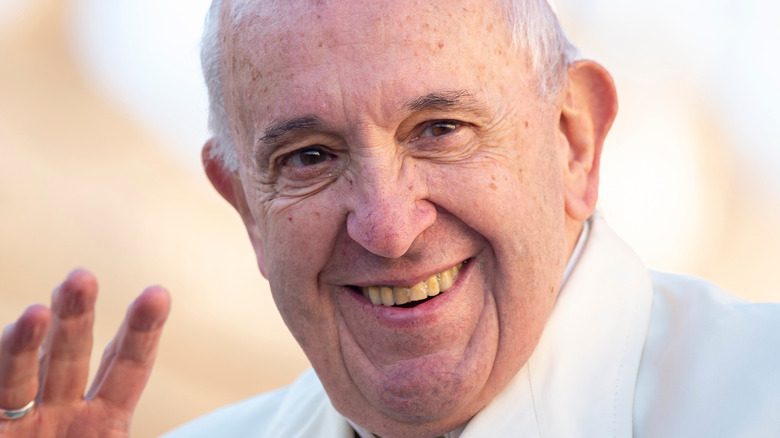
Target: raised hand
x,y
44,356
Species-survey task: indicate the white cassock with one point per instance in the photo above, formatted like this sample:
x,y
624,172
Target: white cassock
x,y
626,352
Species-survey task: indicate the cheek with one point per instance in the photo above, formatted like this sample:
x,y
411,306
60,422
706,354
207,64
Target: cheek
x,y
514,199
298,241
298,237
501,201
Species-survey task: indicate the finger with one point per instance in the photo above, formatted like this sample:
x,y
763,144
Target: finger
x,y
19,357
64,368
128,361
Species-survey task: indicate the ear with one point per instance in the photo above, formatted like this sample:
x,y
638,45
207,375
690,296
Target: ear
x,y
228,185
589,108
223,180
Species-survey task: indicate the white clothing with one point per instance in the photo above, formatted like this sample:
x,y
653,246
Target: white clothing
x,y
626,352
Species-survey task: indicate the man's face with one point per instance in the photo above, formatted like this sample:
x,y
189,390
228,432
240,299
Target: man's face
x,y
380,145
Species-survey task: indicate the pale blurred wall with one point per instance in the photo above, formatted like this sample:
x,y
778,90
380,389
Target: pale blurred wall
x,y
81,184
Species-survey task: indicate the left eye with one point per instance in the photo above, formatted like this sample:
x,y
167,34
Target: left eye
x,y
439,128
307,157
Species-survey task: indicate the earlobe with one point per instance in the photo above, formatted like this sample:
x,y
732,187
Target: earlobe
x,y
228,185
589,108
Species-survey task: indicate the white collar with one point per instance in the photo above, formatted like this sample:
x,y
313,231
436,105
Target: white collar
x,y
575,255
581,377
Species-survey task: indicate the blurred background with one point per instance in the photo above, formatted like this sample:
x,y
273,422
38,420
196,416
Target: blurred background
x,y
102,115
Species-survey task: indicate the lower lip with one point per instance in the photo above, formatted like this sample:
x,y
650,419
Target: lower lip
x,y
419,314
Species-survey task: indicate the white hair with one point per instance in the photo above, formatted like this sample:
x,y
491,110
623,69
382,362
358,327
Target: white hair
x,y
533,24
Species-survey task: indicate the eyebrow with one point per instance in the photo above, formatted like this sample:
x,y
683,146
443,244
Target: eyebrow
x,y
285,128
442,100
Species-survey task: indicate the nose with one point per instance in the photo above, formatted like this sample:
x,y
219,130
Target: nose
x,y
389,210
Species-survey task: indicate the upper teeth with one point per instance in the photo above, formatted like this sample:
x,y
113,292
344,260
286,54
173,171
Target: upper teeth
x,y
397,295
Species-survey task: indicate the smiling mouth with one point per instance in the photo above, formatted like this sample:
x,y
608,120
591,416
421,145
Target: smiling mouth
x,y
412,295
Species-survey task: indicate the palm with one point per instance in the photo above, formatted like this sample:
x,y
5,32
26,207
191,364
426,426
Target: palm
x,y
82,419
45,356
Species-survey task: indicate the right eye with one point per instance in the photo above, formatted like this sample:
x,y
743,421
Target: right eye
x,y
307,157
439,128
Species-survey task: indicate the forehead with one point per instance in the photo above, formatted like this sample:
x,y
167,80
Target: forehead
x,y
362,19
315,54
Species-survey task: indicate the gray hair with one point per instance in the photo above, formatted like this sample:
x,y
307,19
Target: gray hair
x,y
534,27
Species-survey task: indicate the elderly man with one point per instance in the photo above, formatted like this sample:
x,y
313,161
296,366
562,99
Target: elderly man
x,y
418,180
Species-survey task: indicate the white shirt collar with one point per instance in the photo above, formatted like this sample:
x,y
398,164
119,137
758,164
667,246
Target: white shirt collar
x,y
575,255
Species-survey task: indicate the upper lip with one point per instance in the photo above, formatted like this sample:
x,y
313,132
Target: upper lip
x,y
398,279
